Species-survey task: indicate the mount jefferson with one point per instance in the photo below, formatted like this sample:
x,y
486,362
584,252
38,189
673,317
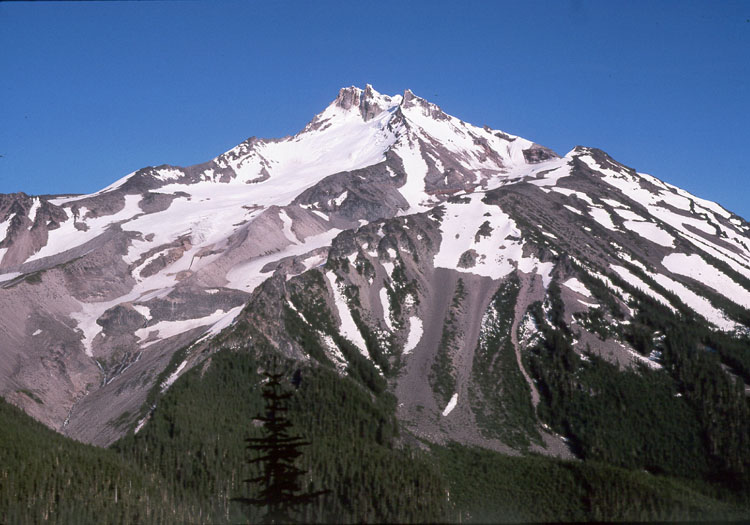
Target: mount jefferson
x,y
452,265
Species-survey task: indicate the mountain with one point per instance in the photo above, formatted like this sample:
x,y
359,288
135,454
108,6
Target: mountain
x,y
507,297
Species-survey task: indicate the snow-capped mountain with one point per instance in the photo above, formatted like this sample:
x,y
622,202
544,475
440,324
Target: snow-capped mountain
x,y
385,234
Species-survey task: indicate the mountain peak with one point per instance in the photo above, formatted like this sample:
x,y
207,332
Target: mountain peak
x,y
369,102
410,100
348,97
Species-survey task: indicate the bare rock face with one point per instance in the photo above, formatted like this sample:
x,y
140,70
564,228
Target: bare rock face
x,y
537,153
401,244
369,103
367,194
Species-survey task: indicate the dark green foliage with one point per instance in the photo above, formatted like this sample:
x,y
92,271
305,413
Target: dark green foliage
x,y
34,278
594,321
689,419
631,419
45,477
459,199
193,438
442,374
602,294
307,295
500,396
375,348
304,335
602,410
734,351
395,302
186,464
695,356
351,293
720,404
402,285
153,394
364,267
280,493
487,487
31,395
556,308
337,264
353,454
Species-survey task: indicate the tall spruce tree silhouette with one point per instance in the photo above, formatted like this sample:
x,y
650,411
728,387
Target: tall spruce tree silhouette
x,y
280,481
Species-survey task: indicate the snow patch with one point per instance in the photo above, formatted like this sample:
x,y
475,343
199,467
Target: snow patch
x,y
247,276
8,276
551,177
416,170
348,327
577,286
225,321
35,203
172,377
451,405
699,304
695,267
141,424
286,223
603,217
388,267
651,232
415,334
613,203
145,311
167,329
386,303
338,201
645,360
334,352
4,227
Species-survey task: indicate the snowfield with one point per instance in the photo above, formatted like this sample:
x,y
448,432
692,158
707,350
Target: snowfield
x,y
490,235
695,267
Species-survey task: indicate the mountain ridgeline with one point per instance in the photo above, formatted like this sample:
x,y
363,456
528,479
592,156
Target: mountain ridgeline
x,y
474,328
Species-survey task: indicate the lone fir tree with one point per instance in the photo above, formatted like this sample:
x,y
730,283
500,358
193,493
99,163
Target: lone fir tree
x,y
277,450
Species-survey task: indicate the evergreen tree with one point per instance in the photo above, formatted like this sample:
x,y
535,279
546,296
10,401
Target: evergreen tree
x,y
280,480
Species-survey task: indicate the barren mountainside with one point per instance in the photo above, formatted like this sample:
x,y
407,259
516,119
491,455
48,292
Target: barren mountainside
x,y
487,282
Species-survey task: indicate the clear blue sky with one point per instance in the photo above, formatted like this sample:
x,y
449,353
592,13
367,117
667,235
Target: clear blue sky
x,y
91,91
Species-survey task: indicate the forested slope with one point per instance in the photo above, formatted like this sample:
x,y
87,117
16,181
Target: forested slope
x,y
187,463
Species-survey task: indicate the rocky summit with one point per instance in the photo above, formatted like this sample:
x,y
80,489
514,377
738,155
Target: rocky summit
x,y
475,275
